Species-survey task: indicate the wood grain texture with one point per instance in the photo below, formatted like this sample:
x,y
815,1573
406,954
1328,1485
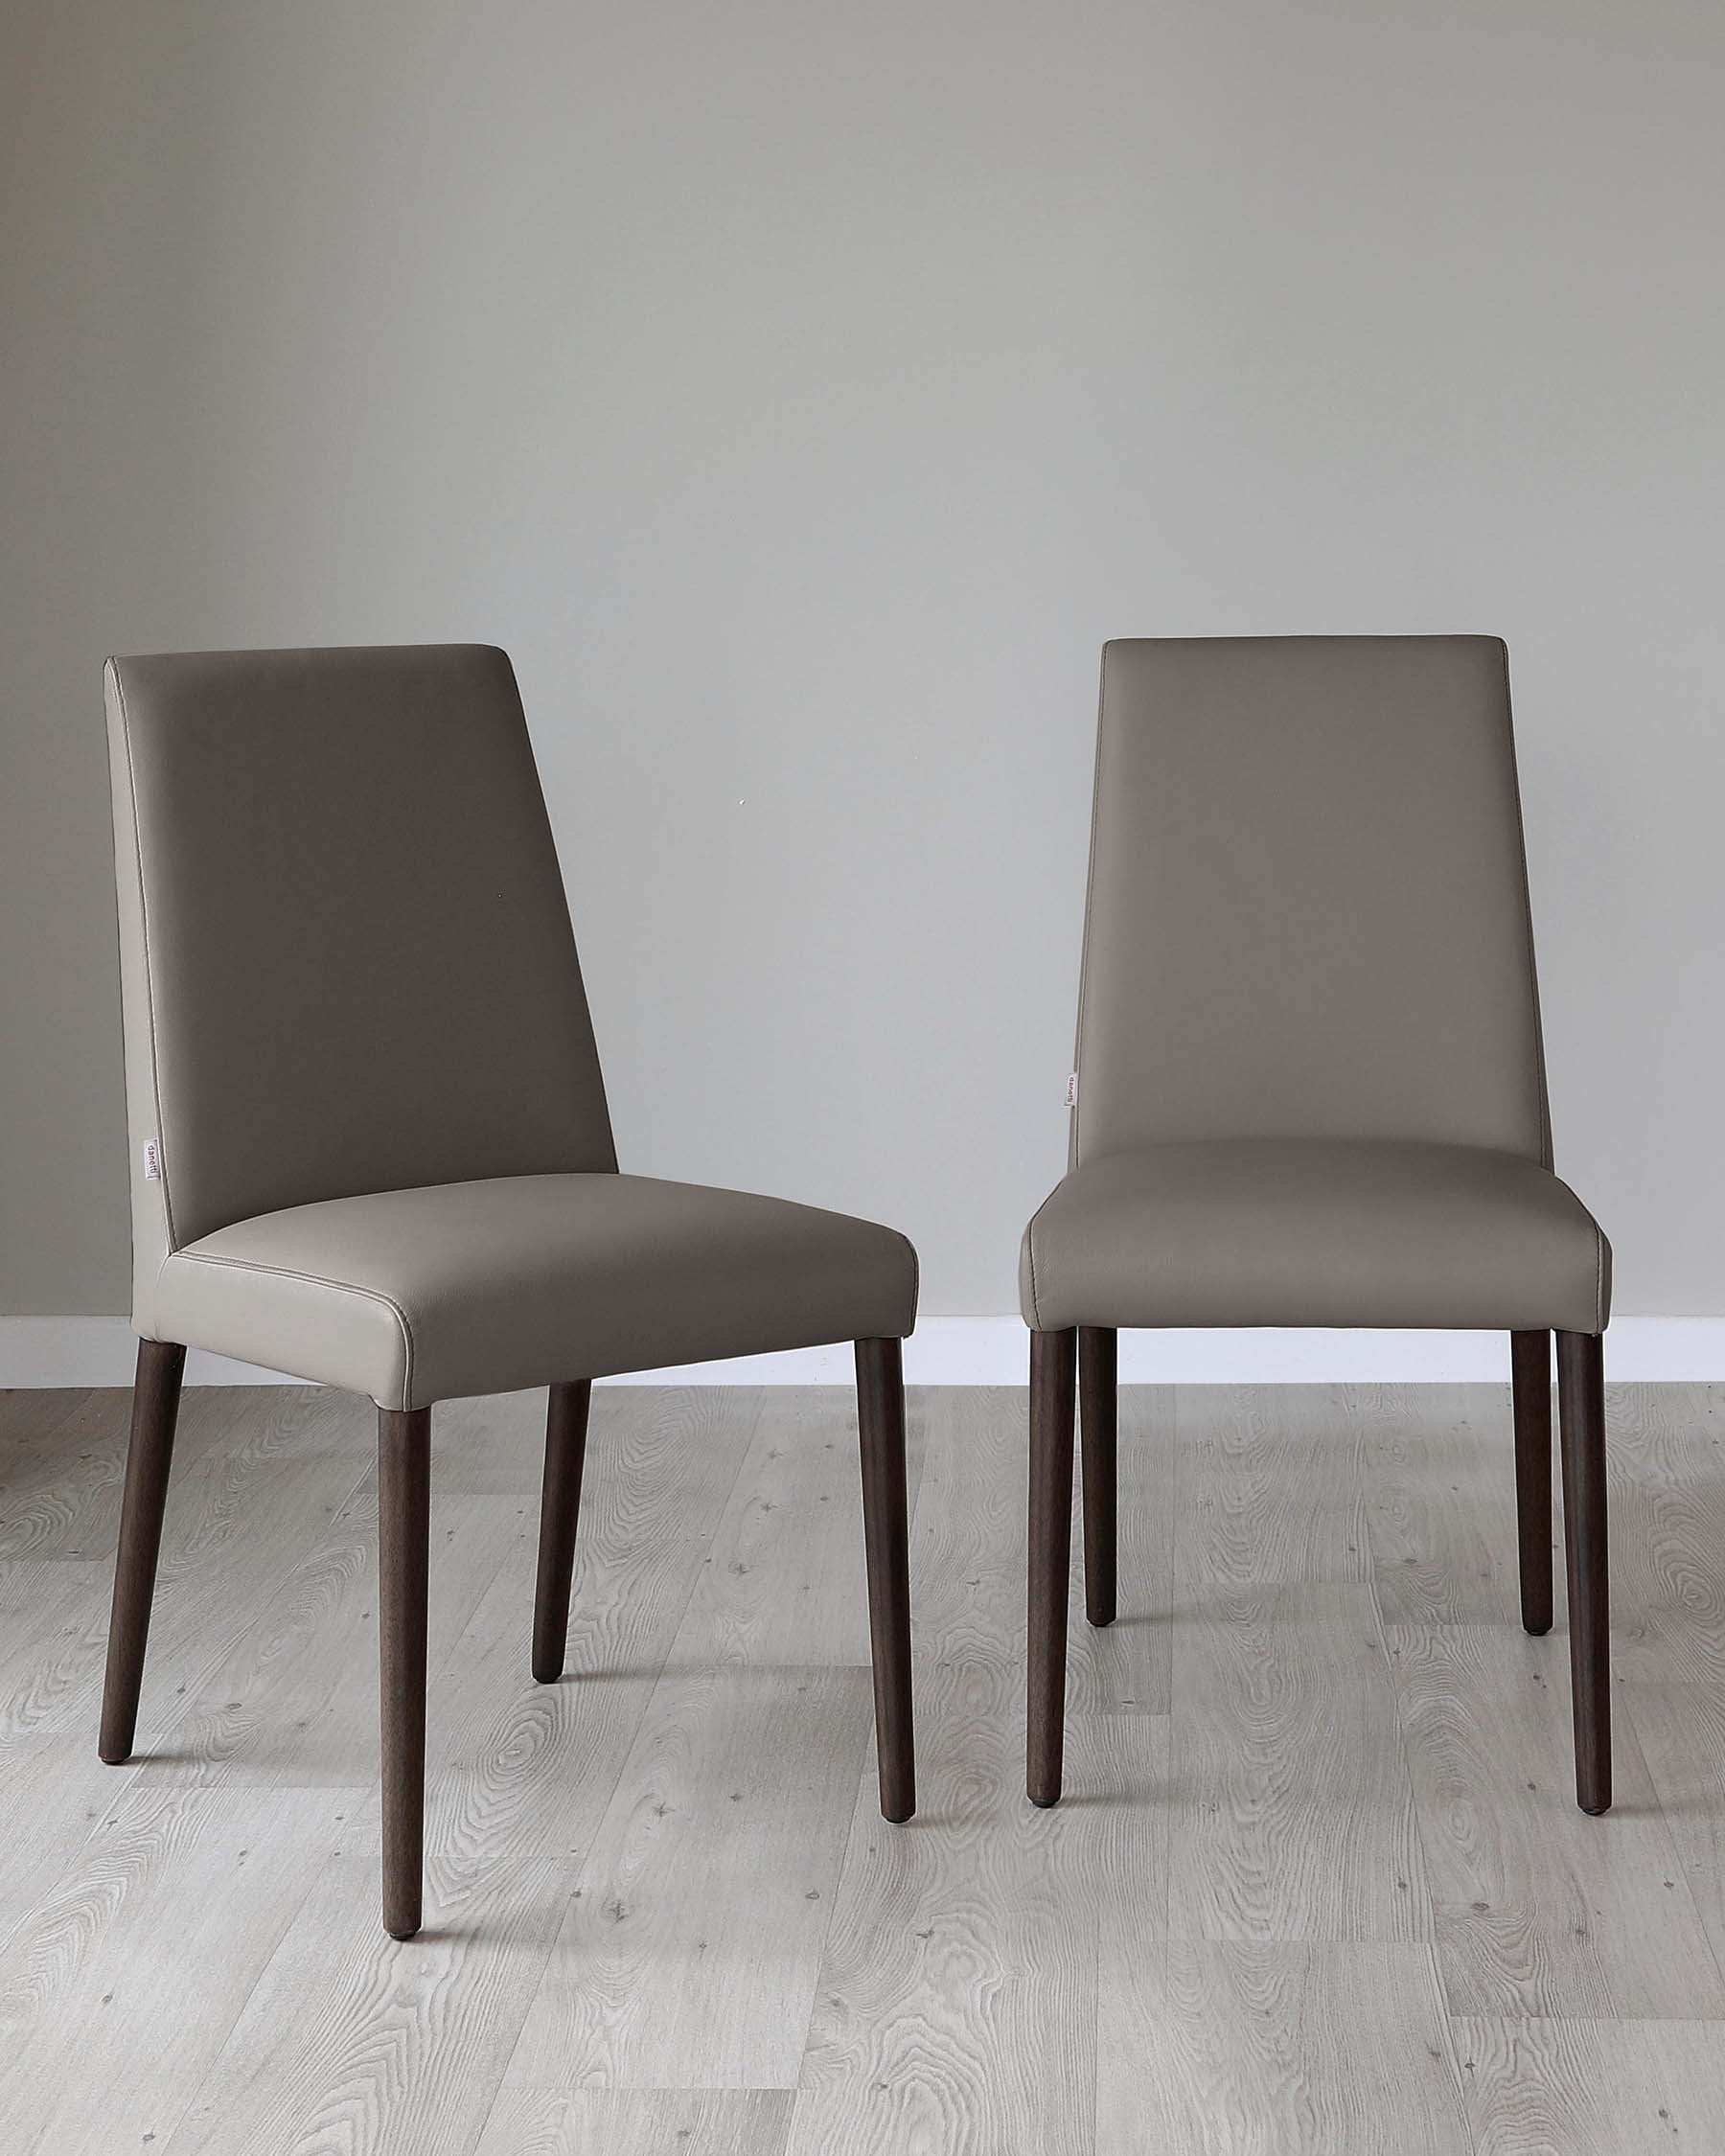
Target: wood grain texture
x,y
117,1990
1678,1731
1540,1910
352,2042
1273,1484
957,1983
1219,2050
988,1978
638,2122
53,1636
1567,2088
1293,1813
293,1702
1437,1464
65,1465
1666,1462
689,1949
786,1580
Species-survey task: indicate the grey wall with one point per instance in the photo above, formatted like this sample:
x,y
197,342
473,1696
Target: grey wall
x,y
802,392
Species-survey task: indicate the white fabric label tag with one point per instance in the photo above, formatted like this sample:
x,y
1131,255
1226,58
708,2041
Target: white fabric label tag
x,y
1072,1099
152,1160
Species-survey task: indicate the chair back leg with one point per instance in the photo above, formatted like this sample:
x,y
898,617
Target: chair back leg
x,y
886,1544
559,1512
403,1551
1530,1384
149,1458
1099,1418
1581,1426
1053,1360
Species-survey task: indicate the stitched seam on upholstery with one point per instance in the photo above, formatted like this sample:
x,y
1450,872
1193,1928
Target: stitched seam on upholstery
x,y
915,1278
317,1280
155,1074
1520,840
1090,892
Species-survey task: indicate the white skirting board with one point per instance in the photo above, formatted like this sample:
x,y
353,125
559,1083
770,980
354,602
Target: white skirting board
x,y
81,1351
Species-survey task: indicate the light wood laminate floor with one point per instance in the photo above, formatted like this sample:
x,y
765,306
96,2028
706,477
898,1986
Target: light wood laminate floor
x,y
1318,1883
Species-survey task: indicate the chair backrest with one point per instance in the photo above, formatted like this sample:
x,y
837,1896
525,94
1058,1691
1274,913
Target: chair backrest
x,y
1308,905
346,959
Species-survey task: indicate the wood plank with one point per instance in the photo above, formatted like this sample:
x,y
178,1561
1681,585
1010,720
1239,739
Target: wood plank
x,y
63,1455
687,1957
493,1445
1680,1733
354,2040
1666,1454
786,1582
263,1486
1540,1910
987,1979
1272,1486
53,1636
1292,1810
969,1551
55,1794
955,2007
1564,2088
638,2122
1127,1667
1225,2050
294,1702
660,1468
1440,1470
120,1985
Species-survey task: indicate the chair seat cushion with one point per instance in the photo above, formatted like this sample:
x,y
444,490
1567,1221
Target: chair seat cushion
x,y
418,1295
1301,1232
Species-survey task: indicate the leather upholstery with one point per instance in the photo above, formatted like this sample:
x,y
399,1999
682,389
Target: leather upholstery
x,y
1308,926
344,924
347,971
1316,1231
1308,912
418,1295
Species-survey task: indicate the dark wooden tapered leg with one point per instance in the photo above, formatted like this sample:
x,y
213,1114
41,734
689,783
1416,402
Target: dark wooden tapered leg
x,y
1530,1383
1581,1424
560,1510
1100,1416
1053,1357
887,1541
155,1408
403,1540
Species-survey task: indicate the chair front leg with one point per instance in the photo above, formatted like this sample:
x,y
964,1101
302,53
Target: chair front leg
x,y
1053,1359
886,1544
1581,1426
403,1551
1099,1418
1530,1387
148,1457
559,1511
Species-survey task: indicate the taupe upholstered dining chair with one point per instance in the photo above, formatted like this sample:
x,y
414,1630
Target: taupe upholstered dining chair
x,y
1310,1085
371,1146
